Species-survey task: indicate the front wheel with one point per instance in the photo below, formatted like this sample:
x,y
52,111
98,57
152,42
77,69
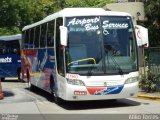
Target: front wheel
x,y
58,100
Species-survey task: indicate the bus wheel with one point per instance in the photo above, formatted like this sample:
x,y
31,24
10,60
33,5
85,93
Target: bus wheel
x,y
30,86
2,79
58,100
19,74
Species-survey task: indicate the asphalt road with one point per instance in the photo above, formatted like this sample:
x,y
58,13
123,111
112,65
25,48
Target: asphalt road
x,y
18,99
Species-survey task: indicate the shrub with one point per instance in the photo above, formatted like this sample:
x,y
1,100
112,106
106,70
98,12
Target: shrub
x,y
149,83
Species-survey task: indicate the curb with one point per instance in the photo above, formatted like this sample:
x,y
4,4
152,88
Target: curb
x,y
148,96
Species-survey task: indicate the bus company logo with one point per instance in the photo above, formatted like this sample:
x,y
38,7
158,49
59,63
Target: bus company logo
x,y
6,60
104,90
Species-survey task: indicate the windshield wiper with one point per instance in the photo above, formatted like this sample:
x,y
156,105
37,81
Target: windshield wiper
x,y
89,73
119,68
109,48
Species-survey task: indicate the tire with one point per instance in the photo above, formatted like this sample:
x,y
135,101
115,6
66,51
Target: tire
x,y
19,74
58,100
29,83
30,86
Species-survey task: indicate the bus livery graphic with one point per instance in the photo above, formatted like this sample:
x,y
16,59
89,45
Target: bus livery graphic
x,y
82,54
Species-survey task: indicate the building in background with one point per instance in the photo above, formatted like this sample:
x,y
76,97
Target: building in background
x,y
134,7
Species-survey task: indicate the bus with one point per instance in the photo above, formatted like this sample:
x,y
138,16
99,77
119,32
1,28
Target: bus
x,y
10,60
80,54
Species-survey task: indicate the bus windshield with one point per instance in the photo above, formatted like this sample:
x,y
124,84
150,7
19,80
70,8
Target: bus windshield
x,y
100,45
9,47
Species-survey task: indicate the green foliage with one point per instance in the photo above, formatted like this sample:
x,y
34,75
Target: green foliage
x,y
152,10
15,14
149,84
87,3
9,31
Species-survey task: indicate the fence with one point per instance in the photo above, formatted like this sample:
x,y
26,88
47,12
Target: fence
x,y
154,60
154,63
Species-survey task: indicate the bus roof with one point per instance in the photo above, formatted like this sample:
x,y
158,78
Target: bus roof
x,y
70,12
10,37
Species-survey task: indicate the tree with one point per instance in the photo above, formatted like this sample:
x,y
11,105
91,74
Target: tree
x,y
152,10
8,18
15,14
87,3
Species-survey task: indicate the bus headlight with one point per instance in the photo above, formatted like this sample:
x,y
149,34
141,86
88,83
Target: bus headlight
x,y
132,80
75,82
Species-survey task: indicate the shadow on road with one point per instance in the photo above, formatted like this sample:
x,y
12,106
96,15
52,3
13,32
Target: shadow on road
x,y
8,93
98,104
82,105
41,94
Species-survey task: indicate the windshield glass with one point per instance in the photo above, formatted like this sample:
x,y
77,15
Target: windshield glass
x,y
10,47
100,45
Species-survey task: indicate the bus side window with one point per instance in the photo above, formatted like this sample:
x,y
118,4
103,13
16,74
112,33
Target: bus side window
x,y
1,51
50,34
31,38
37,37
43,35
26,40
4,51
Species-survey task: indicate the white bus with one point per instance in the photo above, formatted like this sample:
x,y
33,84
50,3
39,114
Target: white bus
x,y
82,54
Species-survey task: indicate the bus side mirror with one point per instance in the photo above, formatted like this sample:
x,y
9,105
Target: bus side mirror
x,y
63,35
141,36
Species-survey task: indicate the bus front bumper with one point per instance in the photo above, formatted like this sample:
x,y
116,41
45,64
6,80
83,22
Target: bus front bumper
x,y
82,93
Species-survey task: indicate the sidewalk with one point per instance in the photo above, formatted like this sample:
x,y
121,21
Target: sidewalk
x,y
145,95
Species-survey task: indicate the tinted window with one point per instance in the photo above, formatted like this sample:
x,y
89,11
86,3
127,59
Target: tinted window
x,y
43,36
13,47
26,39
37,35
50,34
31,38
10,47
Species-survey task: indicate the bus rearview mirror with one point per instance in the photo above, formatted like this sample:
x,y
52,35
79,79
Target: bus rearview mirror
x,y
63,35
141,35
